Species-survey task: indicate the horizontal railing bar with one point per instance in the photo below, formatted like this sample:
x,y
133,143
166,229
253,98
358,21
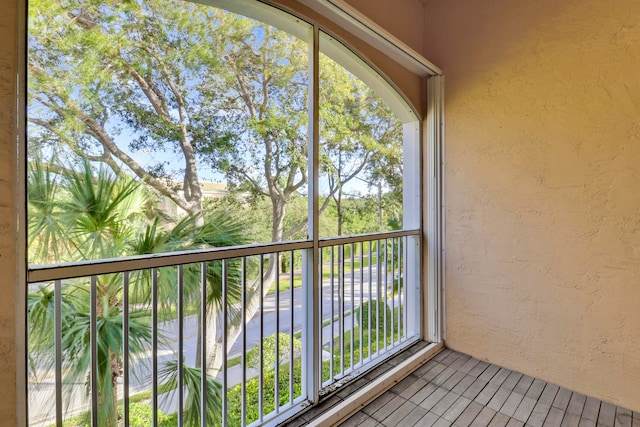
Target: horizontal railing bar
x,y
48,272
344,240
45,273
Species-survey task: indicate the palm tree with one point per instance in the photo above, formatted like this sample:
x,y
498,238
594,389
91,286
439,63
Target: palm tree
x,y
82,214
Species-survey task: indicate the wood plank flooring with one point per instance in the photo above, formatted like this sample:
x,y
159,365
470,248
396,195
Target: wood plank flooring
x,y
454,389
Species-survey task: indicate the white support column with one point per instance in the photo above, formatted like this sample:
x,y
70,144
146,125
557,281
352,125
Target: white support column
x,y
411,205
434,221
411,175
311,281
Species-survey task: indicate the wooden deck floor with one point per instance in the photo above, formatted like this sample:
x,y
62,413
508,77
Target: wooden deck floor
x,y
454,389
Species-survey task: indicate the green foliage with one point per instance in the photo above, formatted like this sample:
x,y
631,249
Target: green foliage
x,y
104,217
361,142
376,310
192,381
80,214
377,342
45,228
269,351
105,72
398,285
234,396
214,90
371,342
256,213
140,415
362,213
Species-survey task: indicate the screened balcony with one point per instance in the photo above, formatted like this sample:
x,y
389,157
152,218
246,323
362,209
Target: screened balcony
x,y
541,197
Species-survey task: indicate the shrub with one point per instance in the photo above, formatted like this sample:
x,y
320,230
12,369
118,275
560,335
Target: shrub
x,y
140,415
397,283
377,315
234,396
269,351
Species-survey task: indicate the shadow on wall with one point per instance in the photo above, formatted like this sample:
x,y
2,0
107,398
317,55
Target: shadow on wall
x,y
482,34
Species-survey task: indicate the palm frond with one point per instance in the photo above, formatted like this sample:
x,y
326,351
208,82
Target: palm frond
x,y
168,375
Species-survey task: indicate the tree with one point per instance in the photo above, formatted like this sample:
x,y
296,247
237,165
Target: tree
x,y
166,90
96,215
109,79
361,138
205,88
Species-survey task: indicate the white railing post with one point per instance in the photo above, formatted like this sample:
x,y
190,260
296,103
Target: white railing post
x,y
412,285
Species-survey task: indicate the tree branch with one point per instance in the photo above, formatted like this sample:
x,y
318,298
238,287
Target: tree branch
x,y
291,186
244,92
95,130
192,190
252,181
155,97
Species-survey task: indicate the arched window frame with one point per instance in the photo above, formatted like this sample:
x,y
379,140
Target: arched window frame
x,y
429,131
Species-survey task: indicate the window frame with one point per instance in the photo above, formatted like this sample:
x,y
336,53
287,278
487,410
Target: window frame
x,y
431,198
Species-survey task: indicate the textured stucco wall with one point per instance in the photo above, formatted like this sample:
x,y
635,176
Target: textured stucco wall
x,y
543,187
7,214
403,19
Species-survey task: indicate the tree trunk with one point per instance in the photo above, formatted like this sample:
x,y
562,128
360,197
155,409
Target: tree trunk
x,y
215,354
116,372
114,366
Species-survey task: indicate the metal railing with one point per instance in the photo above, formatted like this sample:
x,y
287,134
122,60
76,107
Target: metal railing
x,y
114,341
365,303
